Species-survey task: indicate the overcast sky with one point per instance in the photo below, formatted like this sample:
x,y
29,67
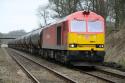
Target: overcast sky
x,y
19,14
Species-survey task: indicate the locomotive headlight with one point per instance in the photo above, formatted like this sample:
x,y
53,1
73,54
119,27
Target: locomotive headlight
x,y
72,45
100,46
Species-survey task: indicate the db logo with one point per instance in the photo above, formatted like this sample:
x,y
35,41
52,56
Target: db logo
x,y
47,36
86,36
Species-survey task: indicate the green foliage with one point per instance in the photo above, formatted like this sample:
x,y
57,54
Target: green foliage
x,y
16,33
109,30
1,34
122,62
119,8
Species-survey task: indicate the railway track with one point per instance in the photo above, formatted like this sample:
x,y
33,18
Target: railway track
x,y
101,73
106,77
21,60
25,70
104,73
73,74
110,71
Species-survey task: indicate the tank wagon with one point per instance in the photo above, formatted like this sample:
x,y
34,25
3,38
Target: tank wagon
x,y
79,36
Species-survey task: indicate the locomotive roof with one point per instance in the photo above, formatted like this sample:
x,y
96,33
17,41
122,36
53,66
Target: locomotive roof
x,y
57,22
71,16
60,21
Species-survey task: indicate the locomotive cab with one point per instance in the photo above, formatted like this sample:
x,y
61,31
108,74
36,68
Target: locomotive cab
x,y
86,37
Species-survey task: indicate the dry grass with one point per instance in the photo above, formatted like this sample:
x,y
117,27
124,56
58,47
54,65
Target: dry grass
x,y
9,70
115,47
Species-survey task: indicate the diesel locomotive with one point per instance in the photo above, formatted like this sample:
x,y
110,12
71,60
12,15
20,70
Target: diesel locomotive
x,y
79,36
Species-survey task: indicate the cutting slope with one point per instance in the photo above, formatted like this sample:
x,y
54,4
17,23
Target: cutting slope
x,y
115,46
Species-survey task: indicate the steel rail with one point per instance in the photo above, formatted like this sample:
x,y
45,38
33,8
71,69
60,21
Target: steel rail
x,y
25,70
101,68
94,75
67,78
58,74
101,77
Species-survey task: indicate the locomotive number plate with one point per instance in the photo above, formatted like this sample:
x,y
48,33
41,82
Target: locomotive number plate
x,y
85,45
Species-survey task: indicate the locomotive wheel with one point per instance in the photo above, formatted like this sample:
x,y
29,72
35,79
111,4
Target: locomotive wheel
x,y
51,54
46,54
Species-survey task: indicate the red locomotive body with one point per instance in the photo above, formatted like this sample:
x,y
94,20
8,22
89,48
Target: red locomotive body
x,y
49,37
55,36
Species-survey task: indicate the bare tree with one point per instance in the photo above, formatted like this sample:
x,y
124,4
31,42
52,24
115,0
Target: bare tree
x,y
119,12
64,7
107,8
43,13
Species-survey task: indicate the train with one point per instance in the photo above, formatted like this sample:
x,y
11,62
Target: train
x,y
78,37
